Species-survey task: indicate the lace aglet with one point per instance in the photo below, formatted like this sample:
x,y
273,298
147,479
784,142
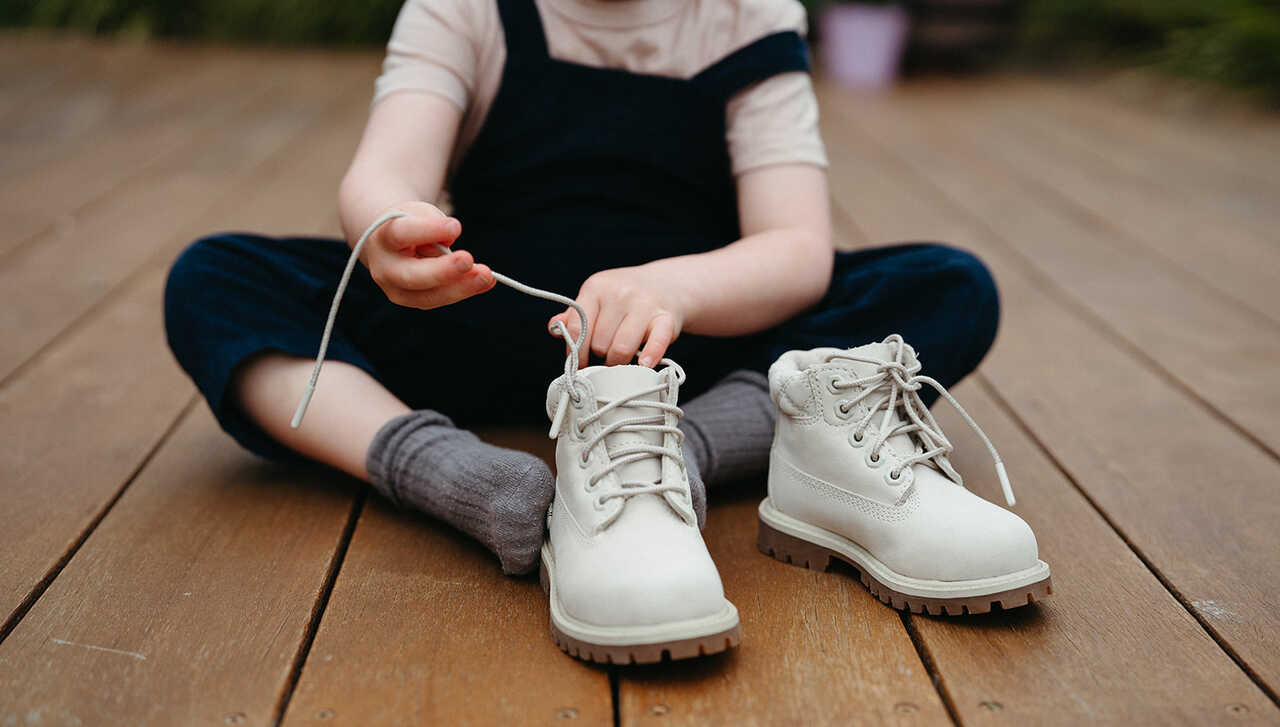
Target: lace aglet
x,y
302,406
1004,484
558,419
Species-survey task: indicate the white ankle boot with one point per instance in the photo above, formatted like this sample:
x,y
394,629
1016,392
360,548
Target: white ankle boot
x,y
859,472
628,575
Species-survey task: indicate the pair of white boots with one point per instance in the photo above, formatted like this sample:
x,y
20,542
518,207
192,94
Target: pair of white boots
x,y
858,471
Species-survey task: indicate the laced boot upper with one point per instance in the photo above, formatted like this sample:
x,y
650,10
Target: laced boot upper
x,y
622,529
858,453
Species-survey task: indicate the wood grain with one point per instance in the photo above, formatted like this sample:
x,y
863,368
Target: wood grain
x,y
1208,343
1110,631
110,387
1230,152
423,628
53,283
817,648
422,620
1214,225
1151,457
188,603
49,200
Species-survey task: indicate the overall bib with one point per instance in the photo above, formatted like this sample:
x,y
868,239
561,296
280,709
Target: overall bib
x,y
576,170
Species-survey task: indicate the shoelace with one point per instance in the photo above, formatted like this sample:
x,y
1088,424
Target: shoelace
x,y
636,452
903,383
673,373
557,328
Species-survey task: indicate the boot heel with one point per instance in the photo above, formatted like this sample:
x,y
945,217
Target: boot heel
x,y
790,549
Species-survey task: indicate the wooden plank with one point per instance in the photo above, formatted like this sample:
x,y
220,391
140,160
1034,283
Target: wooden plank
x,y
49,176
225,646
816,649
1242,188
105,396
1170,215
1230,137
27,70
188,604
54,282
48,200
110,385
1110,646
423,628
1131,139
1207,343
1151,458
96,93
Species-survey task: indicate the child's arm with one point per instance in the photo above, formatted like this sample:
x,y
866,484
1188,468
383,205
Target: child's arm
x,y
781,266
402,159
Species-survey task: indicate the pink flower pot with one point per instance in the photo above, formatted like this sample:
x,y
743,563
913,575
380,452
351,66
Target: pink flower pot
x,y
862,44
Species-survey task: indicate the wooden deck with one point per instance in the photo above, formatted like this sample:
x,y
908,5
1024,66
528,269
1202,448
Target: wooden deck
x,y
153,574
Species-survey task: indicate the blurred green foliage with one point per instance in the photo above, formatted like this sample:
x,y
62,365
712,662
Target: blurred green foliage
x,y
345,22
1235,42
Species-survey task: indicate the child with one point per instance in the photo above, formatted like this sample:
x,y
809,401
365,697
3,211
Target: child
x,y
659,157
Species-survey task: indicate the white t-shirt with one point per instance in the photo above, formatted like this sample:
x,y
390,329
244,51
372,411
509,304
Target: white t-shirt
x,y
456,49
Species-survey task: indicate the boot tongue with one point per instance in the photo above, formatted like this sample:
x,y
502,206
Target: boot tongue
x,y
620,382
903,444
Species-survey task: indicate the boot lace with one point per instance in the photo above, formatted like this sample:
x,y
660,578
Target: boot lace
x,y
895,387
673,375
557,328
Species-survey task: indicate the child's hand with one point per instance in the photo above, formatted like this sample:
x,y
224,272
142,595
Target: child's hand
x,y
627,308
412,272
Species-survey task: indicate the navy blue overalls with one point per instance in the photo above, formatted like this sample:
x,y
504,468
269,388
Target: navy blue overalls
x,y
576,170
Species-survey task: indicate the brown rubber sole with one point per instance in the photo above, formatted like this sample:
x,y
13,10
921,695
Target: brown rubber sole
x,y
793,550
641,653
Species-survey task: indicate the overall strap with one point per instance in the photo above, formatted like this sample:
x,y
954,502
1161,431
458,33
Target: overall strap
x,y
769,56
522,28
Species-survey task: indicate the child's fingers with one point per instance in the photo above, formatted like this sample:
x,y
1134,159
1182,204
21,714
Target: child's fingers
x,y
662,331
419,231
479,280
605,326
627,340
421,274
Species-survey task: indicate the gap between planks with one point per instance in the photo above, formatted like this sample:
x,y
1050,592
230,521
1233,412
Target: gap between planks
x,y
1137,551
43,584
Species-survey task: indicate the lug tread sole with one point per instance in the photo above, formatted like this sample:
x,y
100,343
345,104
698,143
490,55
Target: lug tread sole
x,y
795,551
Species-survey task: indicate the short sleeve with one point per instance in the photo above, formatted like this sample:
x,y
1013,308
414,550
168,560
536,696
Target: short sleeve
x,y
774,121
433,48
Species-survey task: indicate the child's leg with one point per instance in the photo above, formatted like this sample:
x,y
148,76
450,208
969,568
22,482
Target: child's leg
x,y
241,311
345,413
942,300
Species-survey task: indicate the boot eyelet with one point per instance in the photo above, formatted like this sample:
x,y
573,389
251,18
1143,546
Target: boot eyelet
x,y
843,410
598,503
833,385
901,479
579,433
874,459
857,438
584,460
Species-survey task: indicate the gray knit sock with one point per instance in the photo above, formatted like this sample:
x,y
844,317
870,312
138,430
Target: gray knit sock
x,y
729,429
697,490
498,496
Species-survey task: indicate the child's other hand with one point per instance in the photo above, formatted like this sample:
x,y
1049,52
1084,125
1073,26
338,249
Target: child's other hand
x,y
412,272
627,308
